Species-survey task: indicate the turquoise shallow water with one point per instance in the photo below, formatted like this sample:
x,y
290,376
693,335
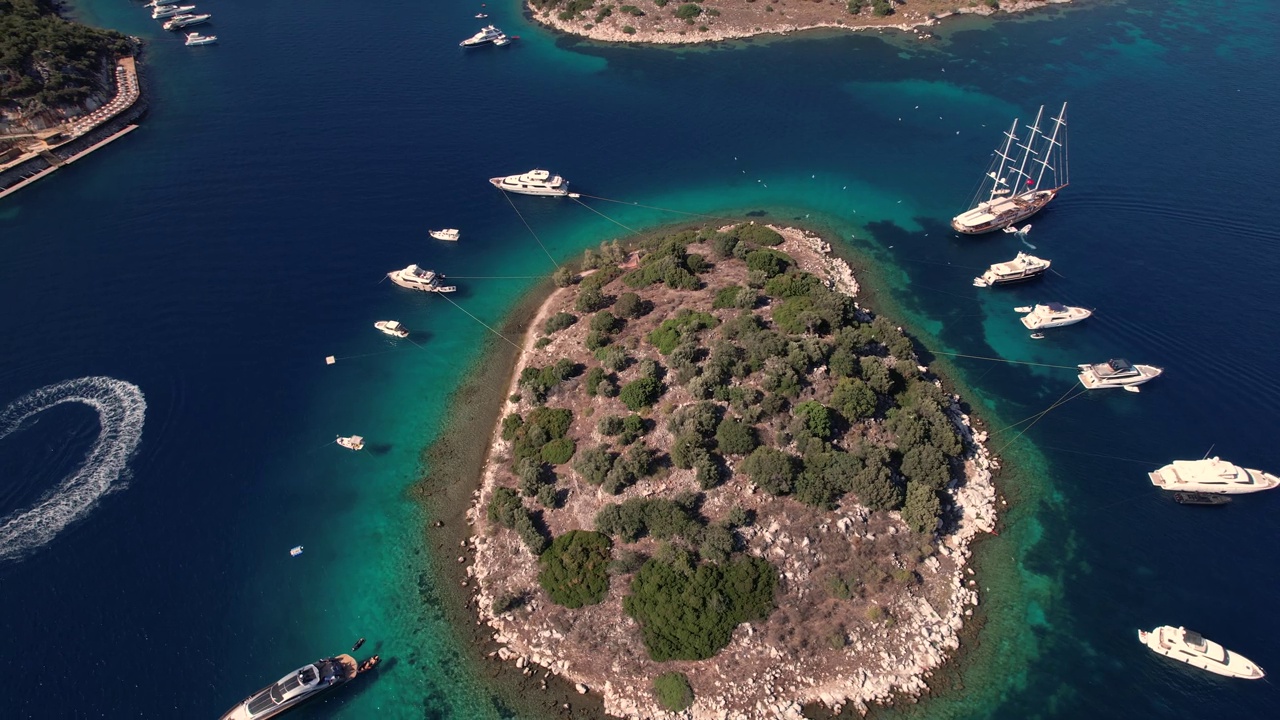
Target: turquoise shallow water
x,y
214,257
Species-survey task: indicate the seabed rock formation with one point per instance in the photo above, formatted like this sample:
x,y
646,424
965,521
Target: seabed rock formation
x,y
837,647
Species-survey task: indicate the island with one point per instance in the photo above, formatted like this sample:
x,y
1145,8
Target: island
x,y
683,21
720,483
66,89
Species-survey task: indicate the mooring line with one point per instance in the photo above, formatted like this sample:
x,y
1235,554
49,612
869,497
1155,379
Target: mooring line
x,y
606,217
473,317
1003,360
1059,403
507,195
655,207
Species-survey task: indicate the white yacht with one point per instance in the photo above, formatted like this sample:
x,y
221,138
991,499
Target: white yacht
x,y
502,40
1211,475
415,278
1194,649
180,21
1052,315
481,16
1020,269
1117,372
354,442
164,11
534,182
392,328
487,34
301,685
196,38
161,3
450,234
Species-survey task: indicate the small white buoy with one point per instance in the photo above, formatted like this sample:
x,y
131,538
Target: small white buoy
x,y
330,360
295,552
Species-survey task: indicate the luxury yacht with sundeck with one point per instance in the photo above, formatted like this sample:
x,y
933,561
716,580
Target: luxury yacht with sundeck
x,y
415,278
1020,269
166,11
1117,373
296,688
180,21
1052,315
392,328
1194,649
534,182
487,34
1211,475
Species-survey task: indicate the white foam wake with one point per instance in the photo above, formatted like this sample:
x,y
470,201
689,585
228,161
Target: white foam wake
x,y
121,411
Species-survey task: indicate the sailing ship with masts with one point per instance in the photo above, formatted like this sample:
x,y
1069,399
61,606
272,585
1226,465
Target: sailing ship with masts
x,y
1025,174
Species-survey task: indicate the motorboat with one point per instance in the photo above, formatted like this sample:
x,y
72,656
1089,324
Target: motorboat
x,y
449,234
1200,498
534,182
1211,475
487,34
416,278
162,3
392,328
166,11
302,685
1194,649
1020,269
1052,315
180,21
196,38
502,40
295,551
481,16
353,442
1117,373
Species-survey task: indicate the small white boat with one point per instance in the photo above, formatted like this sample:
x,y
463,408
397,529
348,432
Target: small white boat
x,y
1023,309
196,38
392,328
1037,336
355,442
1018,231
295,551
1117,372
1020,269
1196,650
481,16
166,11
416,278
1212,475
501,40
450,234
1052,315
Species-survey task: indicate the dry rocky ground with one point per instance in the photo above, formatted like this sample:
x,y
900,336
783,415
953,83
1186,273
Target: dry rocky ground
x,y
826,642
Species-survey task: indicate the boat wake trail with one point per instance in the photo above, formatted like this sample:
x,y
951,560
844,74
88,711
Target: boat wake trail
x,y
121,410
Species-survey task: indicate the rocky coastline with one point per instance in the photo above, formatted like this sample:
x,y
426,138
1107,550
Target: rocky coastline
x,y
597,651
657,26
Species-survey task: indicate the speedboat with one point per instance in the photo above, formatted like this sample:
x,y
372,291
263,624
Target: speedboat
x,y
1117,372
1200,498
481,16
1211,475
449,234
161,3
487,34
196,38
415,278
502,40
534,182
304,684
1052,315
181,21
165,11
354,442
1194,649
1020,269
295,551
392,328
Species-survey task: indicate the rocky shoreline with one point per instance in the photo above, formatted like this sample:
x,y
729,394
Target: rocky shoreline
x,y
882,660
621,28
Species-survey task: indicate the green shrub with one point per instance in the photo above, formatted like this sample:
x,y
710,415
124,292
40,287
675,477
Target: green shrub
x,y
769,262
689,613
511,424
640,393
673,691
657,517
629,305
797,315
592,380
853,399
574,570
772,470
613,358
605,322
632,10
558,452
874,486
558,322
792,284
686,322
508,510
817,419
555,421
594,464
922,508
628,30
688,11
757,234
735,437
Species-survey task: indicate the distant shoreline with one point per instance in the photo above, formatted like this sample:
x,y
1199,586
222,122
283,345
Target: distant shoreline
x,y
658,25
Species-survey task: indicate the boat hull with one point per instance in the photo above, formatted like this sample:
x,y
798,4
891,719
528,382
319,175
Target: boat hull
x,y
984,281
1167,479
241,710
1019,209
1031,323
1146,373
395,278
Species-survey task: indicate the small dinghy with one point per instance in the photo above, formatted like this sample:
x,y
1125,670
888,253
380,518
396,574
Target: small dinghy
x,y
355,442
296,551
392,328
1198,498
1023,309
1037,336
450,234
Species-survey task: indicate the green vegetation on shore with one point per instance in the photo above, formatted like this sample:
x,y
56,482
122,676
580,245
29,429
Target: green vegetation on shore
x,y
46,61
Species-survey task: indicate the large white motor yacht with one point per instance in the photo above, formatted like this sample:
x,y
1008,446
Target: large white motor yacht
x,y
196,38
1052,315
1211,475
165,11
415,278
487,34
534,182
1194,649
181,21
450,234
1021,268
1117,372
392,328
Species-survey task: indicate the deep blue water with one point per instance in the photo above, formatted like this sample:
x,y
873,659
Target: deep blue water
x,y
215,256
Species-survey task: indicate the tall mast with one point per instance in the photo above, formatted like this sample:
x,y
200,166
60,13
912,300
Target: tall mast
x,y
1027,151
998,174
1058,123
